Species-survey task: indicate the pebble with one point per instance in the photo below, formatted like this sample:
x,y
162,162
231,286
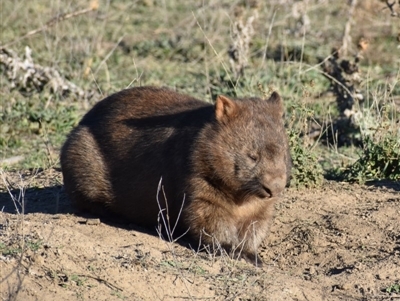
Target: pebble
x,y
93,221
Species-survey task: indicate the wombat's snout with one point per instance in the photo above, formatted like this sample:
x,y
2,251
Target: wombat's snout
x,y
273,187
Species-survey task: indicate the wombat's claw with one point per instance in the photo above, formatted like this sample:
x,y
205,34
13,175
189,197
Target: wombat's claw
x,y
253,259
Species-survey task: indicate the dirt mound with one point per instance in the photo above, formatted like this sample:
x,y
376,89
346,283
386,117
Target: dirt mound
x,y
338,242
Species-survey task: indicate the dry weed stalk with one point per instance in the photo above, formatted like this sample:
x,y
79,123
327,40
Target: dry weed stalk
x,y
345,77
163,216
393,13
242,33
94,5
346,41
26,76
299,13
19,201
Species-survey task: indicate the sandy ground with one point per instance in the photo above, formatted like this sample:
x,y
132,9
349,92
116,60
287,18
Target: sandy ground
x,y
337,242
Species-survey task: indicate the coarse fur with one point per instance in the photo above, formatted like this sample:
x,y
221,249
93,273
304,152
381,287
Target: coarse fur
x,y
228,162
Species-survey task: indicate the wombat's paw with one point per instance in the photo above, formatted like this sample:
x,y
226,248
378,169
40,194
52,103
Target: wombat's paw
x,y
253,259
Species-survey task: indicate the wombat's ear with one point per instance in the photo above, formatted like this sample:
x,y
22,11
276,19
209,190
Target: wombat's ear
x,y
276,100
225,108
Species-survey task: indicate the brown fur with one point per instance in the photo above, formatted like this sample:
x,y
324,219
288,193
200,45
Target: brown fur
x,y
230,162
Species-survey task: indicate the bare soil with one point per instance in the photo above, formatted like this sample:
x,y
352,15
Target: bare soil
x,y
337,242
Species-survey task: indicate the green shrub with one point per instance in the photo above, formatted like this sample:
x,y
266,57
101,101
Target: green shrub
x,y
380,137
307,171
380,159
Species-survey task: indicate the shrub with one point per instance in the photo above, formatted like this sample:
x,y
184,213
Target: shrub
x,y
306,172
380,159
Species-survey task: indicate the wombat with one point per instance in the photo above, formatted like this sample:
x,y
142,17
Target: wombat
x,y
221,167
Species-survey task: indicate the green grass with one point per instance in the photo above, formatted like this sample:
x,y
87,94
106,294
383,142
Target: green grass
x,y
184,45
19,247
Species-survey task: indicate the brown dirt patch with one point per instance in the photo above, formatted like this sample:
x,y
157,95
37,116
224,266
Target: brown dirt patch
x,y
337,242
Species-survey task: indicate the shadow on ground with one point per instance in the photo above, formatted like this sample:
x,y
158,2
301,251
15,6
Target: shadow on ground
x,y
395,185
49,200
52,200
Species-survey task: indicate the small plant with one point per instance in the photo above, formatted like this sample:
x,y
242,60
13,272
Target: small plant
x,y
79,280
34,245
394,288
380,159
15,248
306,170
118,295
9,250
380,137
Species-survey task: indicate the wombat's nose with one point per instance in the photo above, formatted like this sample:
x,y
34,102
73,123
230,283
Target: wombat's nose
x,y
275,186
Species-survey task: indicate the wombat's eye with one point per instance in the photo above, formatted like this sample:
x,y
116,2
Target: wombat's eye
x,y
253,157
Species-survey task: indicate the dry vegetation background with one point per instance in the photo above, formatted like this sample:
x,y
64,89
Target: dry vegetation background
x,y
337,66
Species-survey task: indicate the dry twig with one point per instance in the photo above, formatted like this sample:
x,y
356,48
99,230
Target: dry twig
x,y
393,13
93,6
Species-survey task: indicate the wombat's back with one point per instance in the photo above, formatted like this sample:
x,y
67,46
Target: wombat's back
x,y
114,159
